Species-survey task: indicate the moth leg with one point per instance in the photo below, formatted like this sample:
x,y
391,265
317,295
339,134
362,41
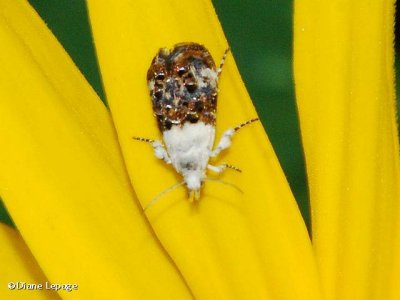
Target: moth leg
x,y
159,150
225,140
219,70
220,168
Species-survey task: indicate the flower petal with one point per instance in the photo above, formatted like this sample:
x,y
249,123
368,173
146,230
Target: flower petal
x,y
62,177
231,245
346,99
18,265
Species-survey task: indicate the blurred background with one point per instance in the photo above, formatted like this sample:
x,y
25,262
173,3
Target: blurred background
x,y
260,35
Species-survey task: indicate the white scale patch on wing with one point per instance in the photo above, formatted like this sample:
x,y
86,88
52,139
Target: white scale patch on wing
x,y
189,149
211,75
151,85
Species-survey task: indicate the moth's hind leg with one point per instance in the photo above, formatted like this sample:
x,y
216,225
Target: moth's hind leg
x,y
223,167
225,141
159,150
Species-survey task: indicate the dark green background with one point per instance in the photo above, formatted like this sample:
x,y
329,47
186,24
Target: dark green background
x,y
260,35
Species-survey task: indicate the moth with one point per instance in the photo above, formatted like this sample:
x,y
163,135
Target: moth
x,y
183,84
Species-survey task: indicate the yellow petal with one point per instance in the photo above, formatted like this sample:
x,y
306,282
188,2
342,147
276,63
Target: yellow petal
x,y
62,177
18,266
230,246
345,94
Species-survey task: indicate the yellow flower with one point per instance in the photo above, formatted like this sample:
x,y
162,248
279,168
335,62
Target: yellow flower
x,y
62,155
61,169
75,182
346,99
19,268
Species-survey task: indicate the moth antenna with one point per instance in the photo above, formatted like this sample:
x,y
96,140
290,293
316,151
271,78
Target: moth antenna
x,y
226,183
167,190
